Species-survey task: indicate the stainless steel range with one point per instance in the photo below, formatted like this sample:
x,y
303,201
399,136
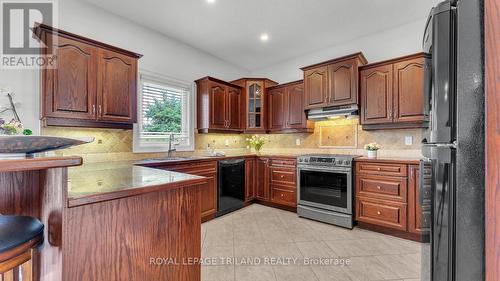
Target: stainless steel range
x,y
325,189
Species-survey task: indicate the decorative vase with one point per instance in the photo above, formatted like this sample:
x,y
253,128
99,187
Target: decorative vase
x,y
372,154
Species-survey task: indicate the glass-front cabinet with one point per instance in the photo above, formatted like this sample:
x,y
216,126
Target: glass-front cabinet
x,y
255,103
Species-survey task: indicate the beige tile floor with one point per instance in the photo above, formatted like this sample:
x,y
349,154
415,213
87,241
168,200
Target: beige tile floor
x,y
257,234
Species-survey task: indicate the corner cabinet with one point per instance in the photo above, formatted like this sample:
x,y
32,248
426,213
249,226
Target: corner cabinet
x,y
93,85
392,94
286,109
333,82
219,105
254,113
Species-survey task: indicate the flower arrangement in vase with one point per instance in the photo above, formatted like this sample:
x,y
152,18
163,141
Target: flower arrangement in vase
x,y
256,142
14,126
372,149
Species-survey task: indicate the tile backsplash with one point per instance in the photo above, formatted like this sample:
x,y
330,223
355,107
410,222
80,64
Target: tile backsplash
x,y
334,136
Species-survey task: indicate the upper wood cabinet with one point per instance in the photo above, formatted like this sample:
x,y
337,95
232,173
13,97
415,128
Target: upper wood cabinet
x,y
92,85
286,109
392,93
333,82
254,105
218,106
117,101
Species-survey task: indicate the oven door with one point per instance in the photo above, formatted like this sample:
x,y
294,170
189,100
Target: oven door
x,y
325,187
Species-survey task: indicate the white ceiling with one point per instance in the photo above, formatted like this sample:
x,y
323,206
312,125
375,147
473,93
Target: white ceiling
x,y
230,29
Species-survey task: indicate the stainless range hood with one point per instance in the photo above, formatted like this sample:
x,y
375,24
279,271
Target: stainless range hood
x,y
330,112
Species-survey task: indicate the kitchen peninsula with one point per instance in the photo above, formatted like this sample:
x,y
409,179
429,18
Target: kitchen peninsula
x,y
106,221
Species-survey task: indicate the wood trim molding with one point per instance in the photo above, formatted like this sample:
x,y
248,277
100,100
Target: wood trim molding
x,y
358,55
208,78
39,27
393,60
492,184
286,84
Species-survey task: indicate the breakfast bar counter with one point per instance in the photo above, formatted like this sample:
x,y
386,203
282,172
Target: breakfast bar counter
x,y
106,221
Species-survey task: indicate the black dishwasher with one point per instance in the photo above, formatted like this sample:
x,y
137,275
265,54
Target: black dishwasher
x,y
231,192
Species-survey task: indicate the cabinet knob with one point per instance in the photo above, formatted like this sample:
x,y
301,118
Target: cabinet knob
x,y
378,169
379,187
282,176
282,195
379,213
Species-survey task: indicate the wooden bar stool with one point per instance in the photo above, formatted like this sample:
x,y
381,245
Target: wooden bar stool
x,y
19,236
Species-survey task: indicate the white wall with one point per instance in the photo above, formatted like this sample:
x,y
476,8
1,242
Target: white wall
x,y
403,40
162,55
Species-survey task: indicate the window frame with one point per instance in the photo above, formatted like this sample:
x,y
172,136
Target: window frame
x,y
147,76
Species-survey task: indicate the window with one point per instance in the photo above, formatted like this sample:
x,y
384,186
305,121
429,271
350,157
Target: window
x,y
165,108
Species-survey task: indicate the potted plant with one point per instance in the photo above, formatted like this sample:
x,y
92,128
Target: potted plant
x,y
14,126
256,142
372,149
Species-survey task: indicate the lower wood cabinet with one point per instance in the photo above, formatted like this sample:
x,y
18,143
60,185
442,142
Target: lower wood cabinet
x,y
208,193
249,179
282,182
388,198
262,179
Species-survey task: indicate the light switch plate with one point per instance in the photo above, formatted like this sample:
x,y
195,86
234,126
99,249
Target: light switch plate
x,y
297,142
409,140
226,142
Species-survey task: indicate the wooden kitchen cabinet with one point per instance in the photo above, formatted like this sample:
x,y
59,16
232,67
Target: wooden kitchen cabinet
x,y
387,196
286,109
333,82
250,176
254,114
117,101
93,85
392,93
262,179
419,200
219,106
209,192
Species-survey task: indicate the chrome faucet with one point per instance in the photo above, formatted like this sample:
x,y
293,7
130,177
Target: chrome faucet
x,y
170,149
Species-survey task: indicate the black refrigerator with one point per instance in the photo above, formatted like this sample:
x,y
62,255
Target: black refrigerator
x,y
454,142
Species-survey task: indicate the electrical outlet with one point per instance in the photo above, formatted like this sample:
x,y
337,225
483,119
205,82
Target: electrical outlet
x,y
408,140
99,141
297,142
226,142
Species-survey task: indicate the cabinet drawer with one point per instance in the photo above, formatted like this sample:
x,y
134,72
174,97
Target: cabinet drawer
x,y
388,188
283,162
283,196
192,168
383,169
284,176
382,213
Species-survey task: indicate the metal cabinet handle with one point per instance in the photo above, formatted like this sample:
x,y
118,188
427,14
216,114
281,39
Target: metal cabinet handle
x,y
100,109
93,109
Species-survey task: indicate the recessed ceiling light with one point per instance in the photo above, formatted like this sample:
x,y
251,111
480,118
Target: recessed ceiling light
x,y
264,37
211,1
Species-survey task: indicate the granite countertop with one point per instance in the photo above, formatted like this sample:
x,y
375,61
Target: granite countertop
x,y
37,162
96,182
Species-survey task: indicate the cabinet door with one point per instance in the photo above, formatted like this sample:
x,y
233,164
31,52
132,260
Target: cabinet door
x,y
218,106
117,84
376,95
69,91
316,87
262,183
255,106
233,108
343,83
209,196
296,116
277,109
409,91
249,179
418,213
